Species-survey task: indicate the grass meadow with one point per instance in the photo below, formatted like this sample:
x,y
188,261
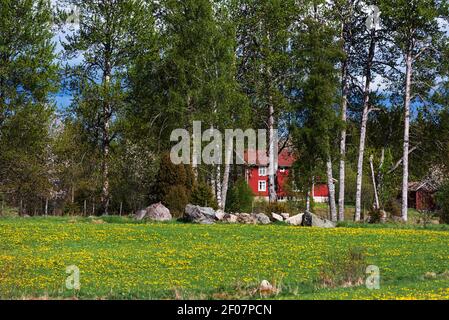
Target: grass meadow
x,y
121,259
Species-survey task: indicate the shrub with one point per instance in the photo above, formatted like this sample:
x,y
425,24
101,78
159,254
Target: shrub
x,y
277,207
351,187
345,271
170,175
71,209
393,208
202,195
375,216
176,200
240,197
442,199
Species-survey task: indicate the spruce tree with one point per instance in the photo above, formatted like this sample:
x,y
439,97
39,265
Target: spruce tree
x,y
28,75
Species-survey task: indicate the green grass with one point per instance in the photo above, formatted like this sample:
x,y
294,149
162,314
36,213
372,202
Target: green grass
x,y
122,259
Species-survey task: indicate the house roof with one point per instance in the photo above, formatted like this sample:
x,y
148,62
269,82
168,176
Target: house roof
x,y
425,186
286,158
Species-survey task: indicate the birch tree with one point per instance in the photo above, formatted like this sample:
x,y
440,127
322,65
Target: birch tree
x,y
104,43
263,31
416,43
347,16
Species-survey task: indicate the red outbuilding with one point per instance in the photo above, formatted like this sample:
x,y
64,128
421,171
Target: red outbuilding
x,y
257,177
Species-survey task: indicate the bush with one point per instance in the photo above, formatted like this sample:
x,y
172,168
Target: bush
x,y
277,207
375,216
71,209
393,208
263,206
240,197
346,271
351,187
170,175
203,196
260,205
176,200
442,199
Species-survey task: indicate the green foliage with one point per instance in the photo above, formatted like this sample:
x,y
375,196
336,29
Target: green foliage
x,y
348,270
28,76
351,186
393,208
173,186
176,199
442,199
263,206
316,53
277,207
240,197
375,216
203,196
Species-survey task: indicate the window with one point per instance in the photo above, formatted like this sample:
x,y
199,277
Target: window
x,y
262,171
262,186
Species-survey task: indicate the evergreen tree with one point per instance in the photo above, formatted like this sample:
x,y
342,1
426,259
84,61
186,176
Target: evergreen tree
x,y
28,75
105,41
316,54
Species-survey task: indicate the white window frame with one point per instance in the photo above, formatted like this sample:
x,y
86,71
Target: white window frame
x,y
262,183
262,171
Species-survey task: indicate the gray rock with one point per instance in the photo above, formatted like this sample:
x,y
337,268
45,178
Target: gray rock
x,y
277,217
295,220
230,218
266,287
158,212
140,215
285,215
219,214
197,214
262,218
246,218
312,220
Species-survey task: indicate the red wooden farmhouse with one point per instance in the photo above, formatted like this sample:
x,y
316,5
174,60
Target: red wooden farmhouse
x,y
257,177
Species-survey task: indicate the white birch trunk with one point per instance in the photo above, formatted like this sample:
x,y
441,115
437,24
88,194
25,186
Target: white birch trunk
x,y
359,181
373,176
272,157
219,188
226,173
407,98
342,169
366,110
308,201
331,186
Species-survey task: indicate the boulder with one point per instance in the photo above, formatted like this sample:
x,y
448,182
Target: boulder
x,y
277,217
219,214
197,214
246,218
158,212
262,218
285,215
295,220
230,218
140,215
266,287
312,220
